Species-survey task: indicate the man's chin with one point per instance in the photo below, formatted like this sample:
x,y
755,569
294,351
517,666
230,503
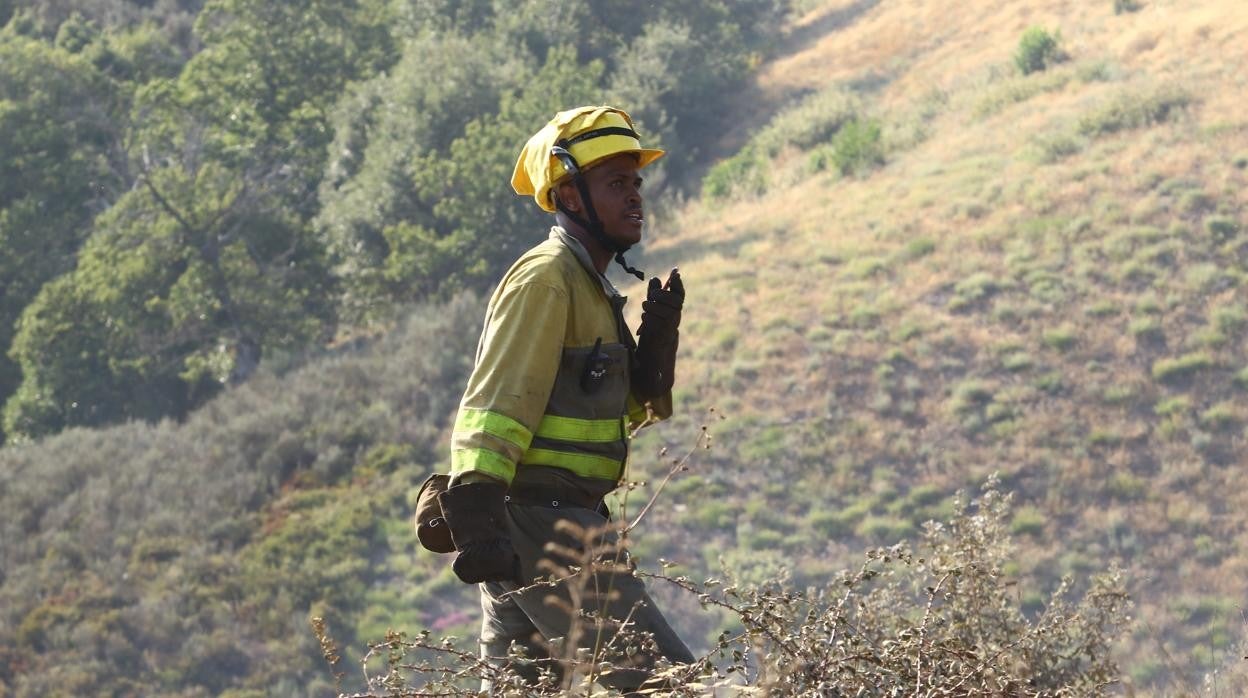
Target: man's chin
x,y
627,237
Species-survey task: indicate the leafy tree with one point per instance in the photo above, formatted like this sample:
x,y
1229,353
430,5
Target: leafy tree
x,y
76,33
61,167
414,216
407,214
209,260
46,17
484,225
388,130
276,60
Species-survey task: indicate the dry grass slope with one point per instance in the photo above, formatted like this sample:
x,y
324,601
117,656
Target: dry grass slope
x,y
1046,278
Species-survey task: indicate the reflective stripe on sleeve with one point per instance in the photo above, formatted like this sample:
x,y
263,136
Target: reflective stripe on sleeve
x,y
580,463
596,431
493,423
483,460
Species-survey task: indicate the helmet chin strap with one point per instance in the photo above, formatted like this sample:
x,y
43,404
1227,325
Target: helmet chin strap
x,y
592,225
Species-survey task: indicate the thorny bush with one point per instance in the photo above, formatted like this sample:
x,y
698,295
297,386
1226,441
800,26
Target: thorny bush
x,y
939,619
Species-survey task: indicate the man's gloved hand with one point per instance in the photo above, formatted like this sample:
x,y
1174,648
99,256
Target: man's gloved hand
x,y
659,336
476,514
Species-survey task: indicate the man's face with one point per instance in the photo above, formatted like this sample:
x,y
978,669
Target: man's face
x,y
616,190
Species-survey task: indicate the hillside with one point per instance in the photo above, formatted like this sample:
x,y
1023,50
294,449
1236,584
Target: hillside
x,y
911,267
1044,278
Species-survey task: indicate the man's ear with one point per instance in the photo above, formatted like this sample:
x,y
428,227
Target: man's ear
x,y
568,195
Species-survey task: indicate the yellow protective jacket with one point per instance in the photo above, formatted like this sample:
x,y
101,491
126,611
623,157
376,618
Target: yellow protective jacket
x,y
525,404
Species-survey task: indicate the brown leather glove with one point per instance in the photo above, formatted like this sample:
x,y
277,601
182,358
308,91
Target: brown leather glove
x,y
658,337
476,514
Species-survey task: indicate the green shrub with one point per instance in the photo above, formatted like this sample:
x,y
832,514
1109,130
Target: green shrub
x,y
1098,71
1172,406
832,524
977,286
1102,308
1195,202
1028,521
1171,370
1052,147
1060,338
714,514
884,529
1133,110
1220,416
919,247
815,120
741,174
1118,394
924,495
968,396
1126,487
1207,277
1229,319
1125,6
1019,90
856,148
760,539
1017,362
1146,329
1104,437
1038,50
1222,228
864,267
1050,382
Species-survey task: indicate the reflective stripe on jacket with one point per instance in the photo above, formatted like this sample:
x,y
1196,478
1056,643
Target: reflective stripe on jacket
x,y
525,403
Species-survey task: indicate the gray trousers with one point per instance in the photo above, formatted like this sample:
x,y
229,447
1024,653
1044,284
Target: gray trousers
x,y
522,618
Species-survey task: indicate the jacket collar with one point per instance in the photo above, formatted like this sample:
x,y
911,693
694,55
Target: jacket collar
x,y
582,256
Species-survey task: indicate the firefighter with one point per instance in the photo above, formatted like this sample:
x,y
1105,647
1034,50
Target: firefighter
x,y
542,429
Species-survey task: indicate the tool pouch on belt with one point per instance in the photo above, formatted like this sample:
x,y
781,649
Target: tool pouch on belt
x,y
431,527
476,514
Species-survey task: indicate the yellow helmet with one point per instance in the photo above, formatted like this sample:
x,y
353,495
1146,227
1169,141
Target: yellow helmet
x,y
588,134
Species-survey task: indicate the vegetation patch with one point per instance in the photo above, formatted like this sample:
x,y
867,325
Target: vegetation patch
x,y
1222,228
1061,338
1221,416
1180,368
1038,49
1020,89
855,149
1130,110
741,174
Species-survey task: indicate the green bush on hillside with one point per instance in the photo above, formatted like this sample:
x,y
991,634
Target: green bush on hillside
x,y
1176,369
1125,6
814,120
856,148
1130,110
741,174
1222,228
1038,50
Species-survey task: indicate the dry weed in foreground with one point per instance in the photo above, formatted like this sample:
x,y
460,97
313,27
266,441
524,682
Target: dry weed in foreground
x,y
937,620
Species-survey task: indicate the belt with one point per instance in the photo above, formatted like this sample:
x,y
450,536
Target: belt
x,y
552,497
